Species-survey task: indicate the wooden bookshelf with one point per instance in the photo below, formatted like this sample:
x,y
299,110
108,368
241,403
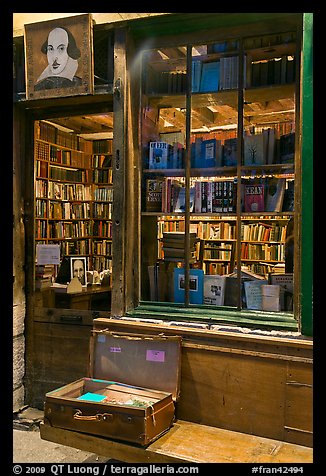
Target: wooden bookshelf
x,y
74,195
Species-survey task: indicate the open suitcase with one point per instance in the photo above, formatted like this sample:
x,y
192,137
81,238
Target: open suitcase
x,y
130,394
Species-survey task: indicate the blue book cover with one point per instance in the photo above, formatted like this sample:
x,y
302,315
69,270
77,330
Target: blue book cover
x,y
208,153
92,397
196,285
210,77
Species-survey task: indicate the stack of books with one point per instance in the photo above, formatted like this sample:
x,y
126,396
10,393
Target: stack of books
x,y
174,246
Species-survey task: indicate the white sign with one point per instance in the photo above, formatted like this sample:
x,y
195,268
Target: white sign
x,y
48,254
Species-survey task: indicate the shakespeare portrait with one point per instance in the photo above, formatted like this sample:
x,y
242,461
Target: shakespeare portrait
x,y
59,57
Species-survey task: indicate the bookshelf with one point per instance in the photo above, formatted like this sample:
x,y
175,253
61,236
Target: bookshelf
x,y
218,157
73,195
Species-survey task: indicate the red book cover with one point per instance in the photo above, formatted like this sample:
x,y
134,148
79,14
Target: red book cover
x,y
254,198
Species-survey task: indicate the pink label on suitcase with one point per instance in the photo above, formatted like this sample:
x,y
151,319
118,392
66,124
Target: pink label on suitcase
x,y
155,355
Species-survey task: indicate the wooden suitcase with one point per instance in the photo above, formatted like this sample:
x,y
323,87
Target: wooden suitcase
x,y
130,393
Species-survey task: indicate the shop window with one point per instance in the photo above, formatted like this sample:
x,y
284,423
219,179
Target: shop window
x,y
219,154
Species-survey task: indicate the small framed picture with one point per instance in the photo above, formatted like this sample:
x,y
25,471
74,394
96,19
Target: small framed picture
x,y
78,269
59,57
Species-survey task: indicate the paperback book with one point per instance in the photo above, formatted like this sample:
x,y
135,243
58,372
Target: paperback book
x,y
214,289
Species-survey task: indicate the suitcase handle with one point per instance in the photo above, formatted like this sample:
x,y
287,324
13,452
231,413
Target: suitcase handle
x,y
99,416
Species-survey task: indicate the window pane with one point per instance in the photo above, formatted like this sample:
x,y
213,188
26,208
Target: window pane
x,y
163,171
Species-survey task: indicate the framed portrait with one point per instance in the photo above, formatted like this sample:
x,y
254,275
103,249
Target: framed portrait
x,y
59,57
78,269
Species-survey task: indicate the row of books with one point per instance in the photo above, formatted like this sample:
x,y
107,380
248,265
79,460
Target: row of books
x,y
166,82
102,146
269,194
69,175
262,252
77,229
222,290
263,231
77,191
49,133
101,263
102,247
173,246
101,161
102,176
217,250
102,228
102,210
267,147
64,191
215,75
215,197
222,75
209,196
279,70
104,194
215,231
162,155
68,210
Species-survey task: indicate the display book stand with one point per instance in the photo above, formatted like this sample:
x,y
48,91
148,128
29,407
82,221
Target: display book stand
x,y
130,394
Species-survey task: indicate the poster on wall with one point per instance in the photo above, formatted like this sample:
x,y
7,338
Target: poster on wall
x,y
59,57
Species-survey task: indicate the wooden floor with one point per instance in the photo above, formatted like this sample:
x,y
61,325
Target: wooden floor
x,y
187,442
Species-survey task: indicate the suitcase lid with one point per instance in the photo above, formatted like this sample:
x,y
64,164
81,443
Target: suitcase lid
x,y
149,361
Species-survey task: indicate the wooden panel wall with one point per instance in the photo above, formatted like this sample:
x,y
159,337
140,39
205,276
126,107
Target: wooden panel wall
x,y
251,384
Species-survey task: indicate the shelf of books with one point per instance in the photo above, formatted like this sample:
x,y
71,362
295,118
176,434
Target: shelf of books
x,y
73,196
234,198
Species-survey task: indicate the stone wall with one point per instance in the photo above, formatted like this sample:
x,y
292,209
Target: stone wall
x,y
19,300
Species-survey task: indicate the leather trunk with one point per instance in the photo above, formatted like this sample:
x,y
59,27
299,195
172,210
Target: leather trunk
x,y
130,393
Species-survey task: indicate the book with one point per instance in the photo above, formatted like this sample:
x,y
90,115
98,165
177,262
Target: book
x,y
254,197
214,289
285,281
288,200
210,76
180,200
154,195
287,145
196,285
271,297
158,155
255,149
275,194
253,293
196,75
92,397
209,153
230,152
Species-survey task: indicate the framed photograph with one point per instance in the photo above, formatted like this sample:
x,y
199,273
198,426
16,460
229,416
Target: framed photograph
x,y
59,57
78,269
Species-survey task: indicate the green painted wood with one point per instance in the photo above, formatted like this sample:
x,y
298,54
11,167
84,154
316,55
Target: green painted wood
x,y
307,176
179,23
255,319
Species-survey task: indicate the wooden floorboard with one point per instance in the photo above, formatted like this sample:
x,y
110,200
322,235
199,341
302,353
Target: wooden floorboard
x,y
187,442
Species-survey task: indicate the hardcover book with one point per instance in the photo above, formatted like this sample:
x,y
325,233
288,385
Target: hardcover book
x,y
254,197
154,195
254,149
196,285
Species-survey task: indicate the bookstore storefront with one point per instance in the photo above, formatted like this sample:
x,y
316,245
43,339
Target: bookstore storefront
x,y
164,186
